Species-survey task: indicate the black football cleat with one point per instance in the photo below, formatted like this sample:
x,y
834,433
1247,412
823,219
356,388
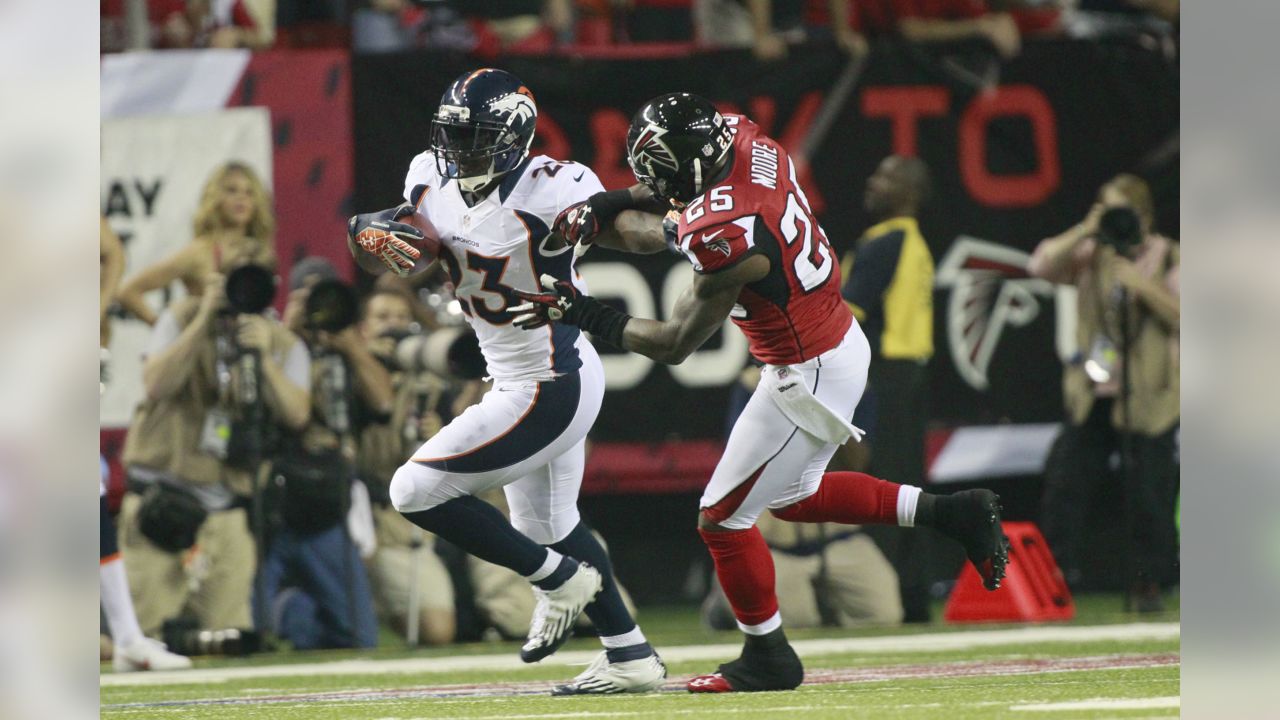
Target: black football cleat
x,y
973,519
768,662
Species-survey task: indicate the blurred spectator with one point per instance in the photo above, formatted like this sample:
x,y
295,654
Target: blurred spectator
x,y
927,21
405,569
190,23
1167,10
391,25
769,26
828,575
1121,390
313,578
889,288
234,223
485,27
164,25
217,378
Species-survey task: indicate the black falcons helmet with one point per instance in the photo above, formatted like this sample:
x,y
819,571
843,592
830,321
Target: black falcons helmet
x,y
483,128
677,144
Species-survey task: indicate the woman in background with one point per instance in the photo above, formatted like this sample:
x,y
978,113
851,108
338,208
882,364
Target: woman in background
x,y
234,224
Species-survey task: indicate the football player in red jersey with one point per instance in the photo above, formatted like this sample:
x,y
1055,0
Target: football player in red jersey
x,y
762,260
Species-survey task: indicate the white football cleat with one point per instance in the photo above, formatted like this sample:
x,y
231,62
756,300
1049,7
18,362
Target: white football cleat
x,y
557,611
605,678
147,654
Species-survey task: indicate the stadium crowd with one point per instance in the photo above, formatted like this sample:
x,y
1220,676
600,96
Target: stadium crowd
x,y
488,27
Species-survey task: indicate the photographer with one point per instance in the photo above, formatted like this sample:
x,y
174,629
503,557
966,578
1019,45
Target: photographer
x,y
405,569
1121,390
218,376
313,577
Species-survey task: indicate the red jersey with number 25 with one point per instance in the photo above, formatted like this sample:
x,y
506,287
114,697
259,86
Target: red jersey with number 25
x,y
794,313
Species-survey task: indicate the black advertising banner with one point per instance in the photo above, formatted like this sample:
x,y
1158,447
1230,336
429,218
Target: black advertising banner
x,y
1017,151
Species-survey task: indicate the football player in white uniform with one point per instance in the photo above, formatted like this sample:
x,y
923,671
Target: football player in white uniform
x,y
492,206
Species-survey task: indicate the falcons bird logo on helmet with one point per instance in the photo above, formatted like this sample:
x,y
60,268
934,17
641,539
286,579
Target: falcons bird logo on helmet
x,y
990,289
650,149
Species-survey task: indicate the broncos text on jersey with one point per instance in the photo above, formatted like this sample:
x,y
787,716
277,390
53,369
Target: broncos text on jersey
x,y
794,313
500,245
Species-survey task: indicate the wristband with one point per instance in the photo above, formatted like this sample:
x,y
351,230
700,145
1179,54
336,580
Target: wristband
x,y
601,320
607,205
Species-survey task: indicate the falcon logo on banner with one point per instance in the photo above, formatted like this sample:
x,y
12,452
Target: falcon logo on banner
x,y
990,290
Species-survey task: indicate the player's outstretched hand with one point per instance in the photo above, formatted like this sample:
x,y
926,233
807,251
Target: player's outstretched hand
x,y
579,225
388,240
554,305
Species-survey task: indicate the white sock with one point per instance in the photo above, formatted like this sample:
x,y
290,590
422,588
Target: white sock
x,y
908,496
627,639
548,566
117,604
763,628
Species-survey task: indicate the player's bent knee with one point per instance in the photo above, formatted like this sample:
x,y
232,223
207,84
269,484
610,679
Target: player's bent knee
x,y
410,489
706,524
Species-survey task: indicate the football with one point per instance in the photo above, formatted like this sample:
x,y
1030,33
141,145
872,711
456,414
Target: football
x,y
429,245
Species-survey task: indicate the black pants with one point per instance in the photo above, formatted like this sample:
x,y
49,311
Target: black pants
x,y
897,455
1149,480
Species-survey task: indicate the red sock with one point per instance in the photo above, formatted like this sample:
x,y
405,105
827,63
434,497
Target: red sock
x,y
851,498
745,569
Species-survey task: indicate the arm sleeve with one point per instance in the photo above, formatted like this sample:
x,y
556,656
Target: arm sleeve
x,y
721,246
873,269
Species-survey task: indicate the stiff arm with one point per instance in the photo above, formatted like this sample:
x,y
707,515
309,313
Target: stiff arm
x,y
699,312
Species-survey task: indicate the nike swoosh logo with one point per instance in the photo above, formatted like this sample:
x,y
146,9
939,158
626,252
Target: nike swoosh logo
x,y
711,236
584,172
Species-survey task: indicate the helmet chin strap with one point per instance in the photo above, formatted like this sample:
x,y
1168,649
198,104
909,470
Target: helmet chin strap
x,y
477,182
697,178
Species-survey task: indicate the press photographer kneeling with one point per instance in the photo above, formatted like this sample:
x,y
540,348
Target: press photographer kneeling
x,y
220,377
435,375
314,584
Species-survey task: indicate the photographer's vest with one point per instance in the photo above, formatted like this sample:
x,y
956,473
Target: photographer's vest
x,y
164,436
1154,385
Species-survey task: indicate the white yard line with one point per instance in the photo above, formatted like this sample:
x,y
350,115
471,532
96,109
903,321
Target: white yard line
x,y
1155,703
931,642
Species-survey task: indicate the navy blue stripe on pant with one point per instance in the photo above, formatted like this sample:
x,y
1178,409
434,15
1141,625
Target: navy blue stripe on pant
x,y
554,405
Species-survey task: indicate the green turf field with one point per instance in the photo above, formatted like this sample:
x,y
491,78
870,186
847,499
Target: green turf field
x,y
1103,665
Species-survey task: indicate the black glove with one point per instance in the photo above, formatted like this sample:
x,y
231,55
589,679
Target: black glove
x,y
564,303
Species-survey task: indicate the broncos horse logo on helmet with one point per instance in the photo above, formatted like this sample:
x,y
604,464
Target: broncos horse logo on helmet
x,y
483,128
677,144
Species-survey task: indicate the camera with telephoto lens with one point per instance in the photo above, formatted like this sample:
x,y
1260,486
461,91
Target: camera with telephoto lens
x,y
331,306
250,289
185,637
1120,229
450,352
